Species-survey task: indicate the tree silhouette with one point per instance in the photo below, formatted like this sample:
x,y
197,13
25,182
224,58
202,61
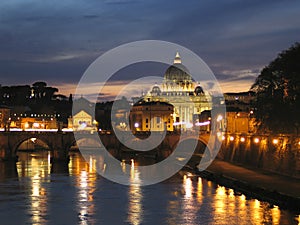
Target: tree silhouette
x,y
278,93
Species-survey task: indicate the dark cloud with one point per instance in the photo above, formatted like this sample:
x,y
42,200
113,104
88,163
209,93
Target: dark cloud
x,y
56,40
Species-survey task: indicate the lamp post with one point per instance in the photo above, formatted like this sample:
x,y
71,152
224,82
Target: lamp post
x,y
219,120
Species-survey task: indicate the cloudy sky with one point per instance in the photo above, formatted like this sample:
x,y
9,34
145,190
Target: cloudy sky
x,y
55,41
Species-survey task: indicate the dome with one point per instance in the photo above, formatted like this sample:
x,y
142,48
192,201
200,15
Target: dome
x,y
199,90
177,72
156,90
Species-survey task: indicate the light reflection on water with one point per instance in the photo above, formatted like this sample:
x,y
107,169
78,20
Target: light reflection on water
x,y
77,195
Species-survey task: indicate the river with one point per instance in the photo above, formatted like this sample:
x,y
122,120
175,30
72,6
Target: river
x,y
33,193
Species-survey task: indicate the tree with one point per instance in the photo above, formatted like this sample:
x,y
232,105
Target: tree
x,y
278,93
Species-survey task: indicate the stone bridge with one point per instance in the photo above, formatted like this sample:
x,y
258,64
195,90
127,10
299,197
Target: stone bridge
x,y
59,143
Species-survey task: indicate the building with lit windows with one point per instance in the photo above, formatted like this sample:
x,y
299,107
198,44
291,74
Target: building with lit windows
x,y
240,101
81,121
240,122
84,115
4,116
151,115
186,95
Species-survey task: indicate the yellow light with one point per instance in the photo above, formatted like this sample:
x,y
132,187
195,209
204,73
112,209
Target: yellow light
x,y
36,125
223,137
243,197
231,138
256,140
243,139
219,118
299,143
275,141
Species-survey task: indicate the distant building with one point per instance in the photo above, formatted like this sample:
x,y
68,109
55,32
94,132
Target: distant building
x,y
231,122
83,115
179,89
81,121
203,120
84,104
240,122
240,101
35,123
4,116
152,115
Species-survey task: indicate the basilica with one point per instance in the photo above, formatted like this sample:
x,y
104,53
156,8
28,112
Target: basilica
x,y
183,92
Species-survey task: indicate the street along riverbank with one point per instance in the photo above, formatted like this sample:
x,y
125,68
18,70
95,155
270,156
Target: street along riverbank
x,y
276,189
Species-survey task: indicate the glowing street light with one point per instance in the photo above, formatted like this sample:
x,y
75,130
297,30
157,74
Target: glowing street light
x,y
243,139
231,138
256,140
219,118
136,125
275,141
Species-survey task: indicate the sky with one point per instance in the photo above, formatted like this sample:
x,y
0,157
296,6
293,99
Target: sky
x,y
56,41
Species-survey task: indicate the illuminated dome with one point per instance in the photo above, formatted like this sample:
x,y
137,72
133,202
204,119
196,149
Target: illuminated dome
x,y
199,90
177,72
177,78
155,90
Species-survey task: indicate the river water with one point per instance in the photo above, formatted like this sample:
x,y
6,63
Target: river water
x,y
33,193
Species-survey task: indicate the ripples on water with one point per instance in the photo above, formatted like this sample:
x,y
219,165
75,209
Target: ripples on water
x,y
33,192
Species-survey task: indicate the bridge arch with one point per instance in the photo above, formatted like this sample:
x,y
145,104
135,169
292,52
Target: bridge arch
x,y
30,143
202,150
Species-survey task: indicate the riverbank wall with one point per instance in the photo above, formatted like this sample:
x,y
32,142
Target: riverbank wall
x,y
275,153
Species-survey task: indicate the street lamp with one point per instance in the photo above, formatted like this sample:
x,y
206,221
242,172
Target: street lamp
x,y
219,120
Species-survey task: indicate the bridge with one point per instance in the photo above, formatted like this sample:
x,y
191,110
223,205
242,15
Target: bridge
x,y
59,143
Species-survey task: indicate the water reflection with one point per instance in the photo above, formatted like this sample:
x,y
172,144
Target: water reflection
x,y
86,178
8,170
34,163
199,190
36,166
228,207
190,207
79,193
38,201
135,197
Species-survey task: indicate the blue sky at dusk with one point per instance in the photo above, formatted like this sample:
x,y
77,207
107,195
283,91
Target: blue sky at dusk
x,y
55,41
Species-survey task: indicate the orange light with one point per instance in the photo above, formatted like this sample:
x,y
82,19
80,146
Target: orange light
x,y
231,138
275,141
256,140
243,139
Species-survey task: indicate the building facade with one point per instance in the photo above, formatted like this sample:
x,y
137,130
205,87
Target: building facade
x,y
241,101
4,116
81,121
151,115
179,89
